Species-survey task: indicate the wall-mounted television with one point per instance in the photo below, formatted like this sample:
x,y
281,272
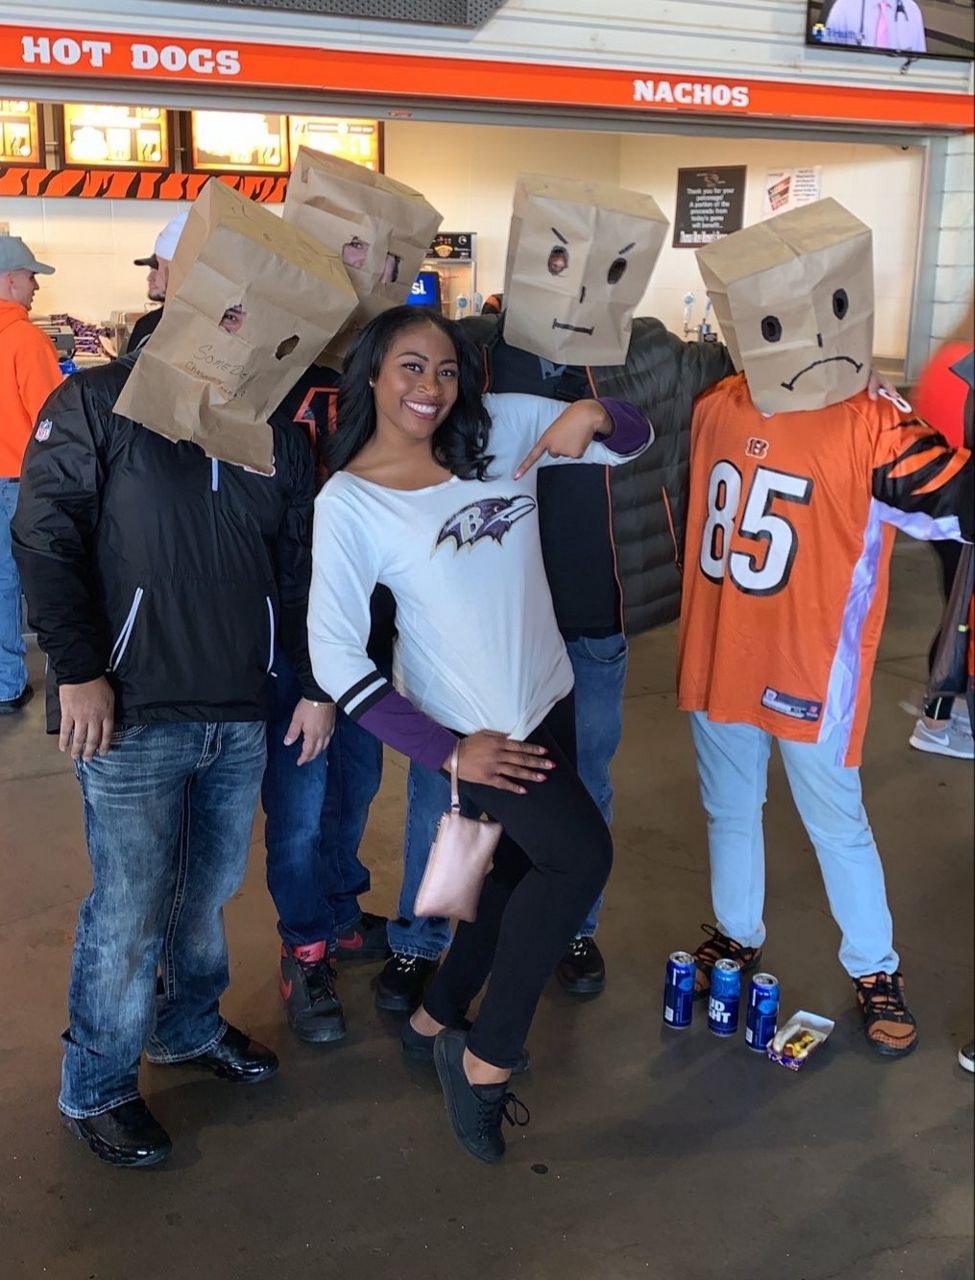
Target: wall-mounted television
x,y
425,291
909,28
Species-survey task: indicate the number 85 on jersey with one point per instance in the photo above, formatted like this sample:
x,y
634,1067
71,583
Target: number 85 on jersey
x,y
766,569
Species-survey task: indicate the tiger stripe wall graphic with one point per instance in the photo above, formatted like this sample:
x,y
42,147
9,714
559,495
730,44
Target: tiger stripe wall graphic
x,y
124,184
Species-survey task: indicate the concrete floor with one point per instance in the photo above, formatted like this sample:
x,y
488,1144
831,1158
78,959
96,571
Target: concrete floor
x,y
650,1153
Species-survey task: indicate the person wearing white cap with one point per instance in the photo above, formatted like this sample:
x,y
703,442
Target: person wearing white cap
x,y
158,262
29,372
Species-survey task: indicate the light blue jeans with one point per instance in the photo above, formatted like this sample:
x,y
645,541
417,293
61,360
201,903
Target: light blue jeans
x,y
732,763
13,672
599,666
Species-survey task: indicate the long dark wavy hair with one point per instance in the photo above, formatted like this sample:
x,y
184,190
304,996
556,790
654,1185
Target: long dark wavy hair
x,y
459,443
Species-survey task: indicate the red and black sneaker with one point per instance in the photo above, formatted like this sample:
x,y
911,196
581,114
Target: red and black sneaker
x,y
308,991
363,939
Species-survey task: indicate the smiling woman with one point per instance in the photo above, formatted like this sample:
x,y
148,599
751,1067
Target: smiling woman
x,y
418,503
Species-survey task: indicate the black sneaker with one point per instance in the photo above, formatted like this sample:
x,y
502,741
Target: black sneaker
x,y
582,969
420,1047
400,985
129,1135
475,1110
364,939
308,990
235,1057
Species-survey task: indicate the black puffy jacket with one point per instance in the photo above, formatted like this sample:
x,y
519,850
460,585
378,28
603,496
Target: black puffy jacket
x,y
145,560
643,536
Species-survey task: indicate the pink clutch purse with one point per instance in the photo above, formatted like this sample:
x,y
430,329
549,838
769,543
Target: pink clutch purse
x,y
460,858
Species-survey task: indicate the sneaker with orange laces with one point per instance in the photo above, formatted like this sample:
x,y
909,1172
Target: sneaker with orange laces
x,y
719,946
887,1021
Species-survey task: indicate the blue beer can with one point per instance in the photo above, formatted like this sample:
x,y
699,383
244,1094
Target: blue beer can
x,y
679,990
763,1011
724,998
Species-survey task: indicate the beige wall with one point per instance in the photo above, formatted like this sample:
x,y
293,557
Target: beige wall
x,y
879,184
468,172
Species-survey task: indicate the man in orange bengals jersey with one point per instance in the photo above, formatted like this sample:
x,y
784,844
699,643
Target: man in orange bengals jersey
x,y
798,483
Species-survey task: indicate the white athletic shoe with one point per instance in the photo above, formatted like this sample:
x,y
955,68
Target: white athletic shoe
x,y
966,1057
952,740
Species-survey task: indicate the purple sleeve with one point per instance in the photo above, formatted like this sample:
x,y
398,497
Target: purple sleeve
x,y
630,431
400,725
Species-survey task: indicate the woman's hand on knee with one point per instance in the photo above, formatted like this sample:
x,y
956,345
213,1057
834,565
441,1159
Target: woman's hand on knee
x,y
495,760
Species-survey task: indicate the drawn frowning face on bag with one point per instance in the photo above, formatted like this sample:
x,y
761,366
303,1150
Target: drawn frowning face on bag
x,y
580,255
381,229
794,299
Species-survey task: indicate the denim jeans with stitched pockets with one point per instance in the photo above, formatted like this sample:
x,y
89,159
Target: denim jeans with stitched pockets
x,y
13,672
316,817
168,813
600,676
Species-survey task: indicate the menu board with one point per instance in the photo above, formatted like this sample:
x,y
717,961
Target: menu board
x,y
115,137
242,141
20,140
356,140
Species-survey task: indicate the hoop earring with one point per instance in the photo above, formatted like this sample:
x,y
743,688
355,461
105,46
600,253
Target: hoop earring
x,y
372,382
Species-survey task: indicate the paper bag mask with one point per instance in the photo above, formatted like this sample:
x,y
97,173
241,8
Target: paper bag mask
x,y
251,301
794,299
580,256
380,228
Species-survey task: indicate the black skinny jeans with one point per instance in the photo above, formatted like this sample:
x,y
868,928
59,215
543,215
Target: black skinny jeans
x,y
551,863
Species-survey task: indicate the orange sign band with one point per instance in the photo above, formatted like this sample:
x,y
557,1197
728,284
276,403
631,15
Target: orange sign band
x,y
152,59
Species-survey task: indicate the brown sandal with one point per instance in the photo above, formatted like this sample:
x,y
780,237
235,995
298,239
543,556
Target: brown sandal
x,y
887,1021
720,947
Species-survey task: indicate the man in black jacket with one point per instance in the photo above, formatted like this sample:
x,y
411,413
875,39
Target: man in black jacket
x,y
156,579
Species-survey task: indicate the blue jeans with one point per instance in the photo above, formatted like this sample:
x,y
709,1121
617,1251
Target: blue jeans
x,y
168,820
600,671
316,816
13,672
600,674
732,763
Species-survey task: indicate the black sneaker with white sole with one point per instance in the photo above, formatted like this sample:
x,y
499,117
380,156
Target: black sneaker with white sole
x,y
475,1110
582,970
400,985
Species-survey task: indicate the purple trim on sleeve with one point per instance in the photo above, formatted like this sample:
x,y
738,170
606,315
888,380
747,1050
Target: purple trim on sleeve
x,y
401,726
631,431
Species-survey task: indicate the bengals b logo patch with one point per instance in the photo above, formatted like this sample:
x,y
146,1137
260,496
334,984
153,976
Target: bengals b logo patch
x,y
755,447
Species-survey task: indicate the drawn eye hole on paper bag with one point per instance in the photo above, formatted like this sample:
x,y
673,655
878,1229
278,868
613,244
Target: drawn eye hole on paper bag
x,y
251,302
793,296
580,255
381,229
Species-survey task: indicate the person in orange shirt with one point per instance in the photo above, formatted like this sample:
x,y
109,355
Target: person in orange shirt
x,y
798,483
29,372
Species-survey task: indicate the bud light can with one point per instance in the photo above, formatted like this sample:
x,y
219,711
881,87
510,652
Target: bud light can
x,y
763,1011
679,990
724,998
